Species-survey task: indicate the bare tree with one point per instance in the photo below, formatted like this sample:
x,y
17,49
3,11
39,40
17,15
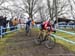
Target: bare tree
x,y
31,6
56,8
2,1
42,12
72,9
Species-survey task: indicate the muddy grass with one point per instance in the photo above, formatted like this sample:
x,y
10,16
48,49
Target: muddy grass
x,y
21,45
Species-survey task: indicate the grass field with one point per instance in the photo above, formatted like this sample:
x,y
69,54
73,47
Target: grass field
x,y
67,45
3,43
65,35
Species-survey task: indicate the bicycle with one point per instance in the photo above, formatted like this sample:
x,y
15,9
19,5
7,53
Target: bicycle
x,y
49,40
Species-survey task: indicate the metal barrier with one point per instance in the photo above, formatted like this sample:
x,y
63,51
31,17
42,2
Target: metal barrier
x,y
2,32
59,37
71,33
66,25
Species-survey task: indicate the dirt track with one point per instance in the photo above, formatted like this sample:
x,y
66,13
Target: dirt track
x,y
21,45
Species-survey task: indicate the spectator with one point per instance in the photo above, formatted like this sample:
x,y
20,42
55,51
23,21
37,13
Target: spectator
x,y
1,17
4,23
15,22
11,25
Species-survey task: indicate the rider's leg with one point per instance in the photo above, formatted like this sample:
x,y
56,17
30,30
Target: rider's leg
x,y
46,34
27,28
41,30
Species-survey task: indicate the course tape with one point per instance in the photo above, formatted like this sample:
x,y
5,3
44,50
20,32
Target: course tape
x,y
66,32
59,37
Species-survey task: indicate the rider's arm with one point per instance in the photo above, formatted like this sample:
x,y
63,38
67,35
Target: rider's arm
x,y
52,28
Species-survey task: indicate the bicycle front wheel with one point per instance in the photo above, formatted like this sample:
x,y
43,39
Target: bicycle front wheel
x,y
50,42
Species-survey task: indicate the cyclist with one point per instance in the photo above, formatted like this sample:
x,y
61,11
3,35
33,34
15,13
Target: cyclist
x,y
47,26
29,22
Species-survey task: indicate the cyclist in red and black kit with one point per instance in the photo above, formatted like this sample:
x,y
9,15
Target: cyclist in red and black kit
x,y
46,25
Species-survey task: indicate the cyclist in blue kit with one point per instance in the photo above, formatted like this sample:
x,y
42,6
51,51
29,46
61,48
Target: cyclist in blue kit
x,y
28,24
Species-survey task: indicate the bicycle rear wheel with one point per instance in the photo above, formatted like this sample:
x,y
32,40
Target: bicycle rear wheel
x,y
50,42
